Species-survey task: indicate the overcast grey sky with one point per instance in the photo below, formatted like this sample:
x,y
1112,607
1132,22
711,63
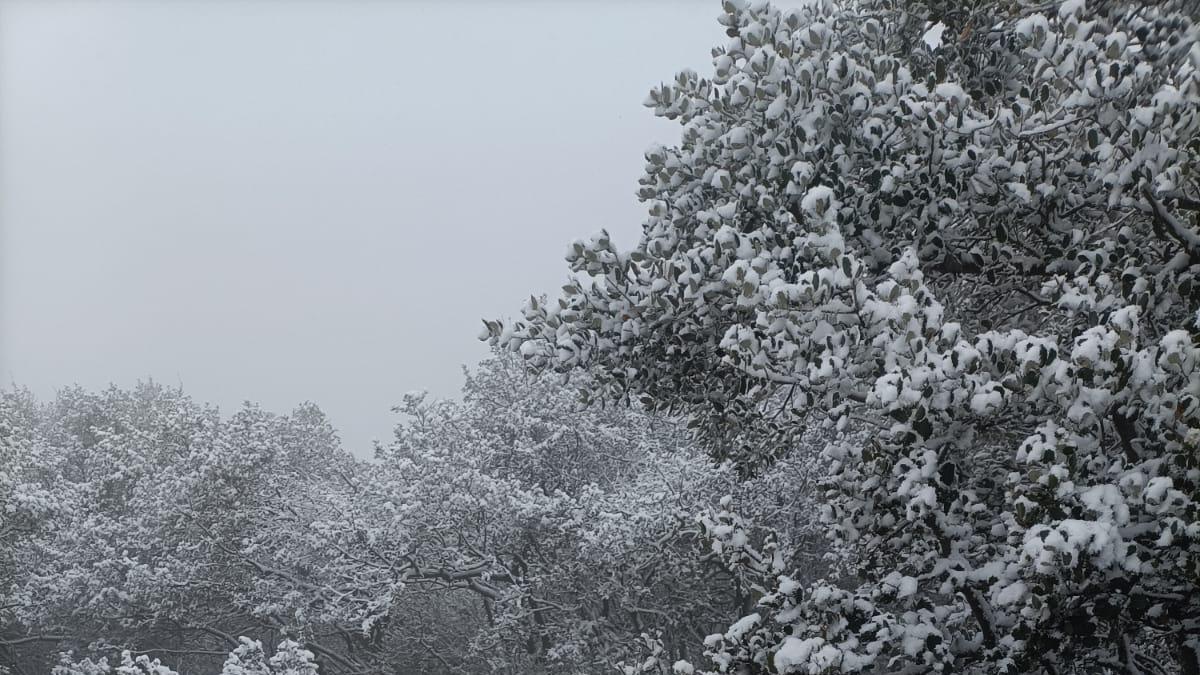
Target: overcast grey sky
x,y
290,201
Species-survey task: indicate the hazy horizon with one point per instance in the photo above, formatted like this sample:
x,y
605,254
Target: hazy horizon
x,y
310,201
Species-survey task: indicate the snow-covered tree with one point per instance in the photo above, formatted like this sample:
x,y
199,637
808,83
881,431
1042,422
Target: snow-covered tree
x,y
250,659
549,535
26,507
150,499
962,238
129,665
515,530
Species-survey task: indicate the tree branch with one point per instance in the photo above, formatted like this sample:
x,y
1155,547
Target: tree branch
x,y
1173,226
34,638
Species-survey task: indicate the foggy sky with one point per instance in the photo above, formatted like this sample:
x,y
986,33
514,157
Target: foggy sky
x,y
291,201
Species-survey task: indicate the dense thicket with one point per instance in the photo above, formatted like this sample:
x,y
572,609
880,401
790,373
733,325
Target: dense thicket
x,y
962,236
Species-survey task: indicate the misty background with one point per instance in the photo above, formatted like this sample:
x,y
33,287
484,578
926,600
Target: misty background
x,y
316,201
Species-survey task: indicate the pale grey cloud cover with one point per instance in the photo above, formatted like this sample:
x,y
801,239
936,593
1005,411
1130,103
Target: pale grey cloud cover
x,y
289,201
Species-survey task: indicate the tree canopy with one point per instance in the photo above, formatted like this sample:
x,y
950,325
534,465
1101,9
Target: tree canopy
x,y
902,376
961,238
511,531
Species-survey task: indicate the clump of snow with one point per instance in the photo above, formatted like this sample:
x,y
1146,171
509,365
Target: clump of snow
x,y
1157,488
796,652
933,36
788,585
683,668
951,92
1021,191
1072,8
1012,594
1032,23
819,202
777,108
987,400
742,626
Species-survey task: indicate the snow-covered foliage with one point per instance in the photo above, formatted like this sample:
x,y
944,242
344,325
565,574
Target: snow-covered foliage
x,y
247,659
963,239
515,530
250,659
147,499
903,376
555,534
129,665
